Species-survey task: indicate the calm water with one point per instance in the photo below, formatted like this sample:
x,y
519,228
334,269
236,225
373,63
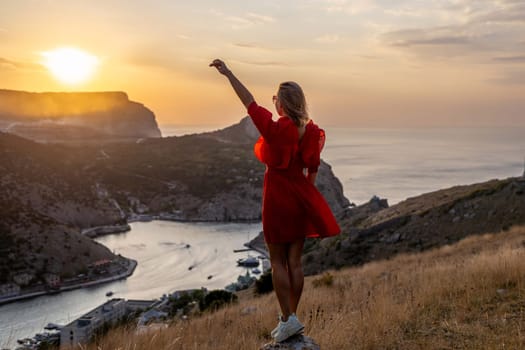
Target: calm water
x,y
163,261
391,163
401,163
397,164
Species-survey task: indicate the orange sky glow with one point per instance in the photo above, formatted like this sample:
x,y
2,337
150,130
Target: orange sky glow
x,y
366,63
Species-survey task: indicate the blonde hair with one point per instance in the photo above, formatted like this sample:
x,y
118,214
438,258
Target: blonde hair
x,y
293,102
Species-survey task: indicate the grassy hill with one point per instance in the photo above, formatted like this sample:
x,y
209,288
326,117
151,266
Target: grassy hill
x,y
373,231
467,295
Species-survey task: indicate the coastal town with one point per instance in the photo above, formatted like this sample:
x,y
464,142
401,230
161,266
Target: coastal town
x,y
101,271
110,313
144,314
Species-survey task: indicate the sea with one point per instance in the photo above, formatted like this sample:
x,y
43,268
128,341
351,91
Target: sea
x,y
398,163
394,164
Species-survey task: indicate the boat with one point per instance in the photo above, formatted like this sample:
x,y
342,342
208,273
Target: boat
x,y
256,271
52,326
250,261
210,277
110,293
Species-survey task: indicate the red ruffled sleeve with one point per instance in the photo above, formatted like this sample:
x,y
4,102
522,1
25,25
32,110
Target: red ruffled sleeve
x,y
278,141
262,118
311,146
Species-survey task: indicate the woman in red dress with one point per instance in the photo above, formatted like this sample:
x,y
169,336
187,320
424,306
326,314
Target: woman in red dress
x,y
292,207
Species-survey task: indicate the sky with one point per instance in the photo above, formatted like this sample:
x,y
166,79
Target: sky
x,y
363,63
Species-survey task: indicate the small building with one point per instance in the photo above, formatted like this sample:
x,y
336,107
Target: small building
x,y
52,280
82,329
151,315
136,305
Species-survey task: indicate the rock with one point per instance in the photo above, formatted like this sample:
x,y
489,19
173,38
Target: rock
x,y
396,237
501,292
68,116
248,310
298,342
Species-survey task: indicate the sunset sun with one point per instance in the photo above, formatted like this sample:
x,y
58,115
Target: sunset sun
x,y
70,65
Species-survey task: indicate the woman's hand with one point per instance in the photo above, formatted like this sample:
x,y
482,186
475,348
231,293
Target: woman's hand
x,y
244,95
220,65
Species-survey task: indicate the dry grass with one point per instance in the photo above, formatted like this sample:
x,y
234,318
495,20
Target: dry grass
x,y
466,296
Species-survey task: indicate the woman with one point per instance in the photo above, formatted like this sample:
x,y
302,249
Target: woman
x,y
292,206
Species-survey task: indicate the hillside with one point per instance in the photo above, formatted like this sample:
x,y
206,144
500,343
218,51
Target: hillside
x,y
375,231
467,295
51,192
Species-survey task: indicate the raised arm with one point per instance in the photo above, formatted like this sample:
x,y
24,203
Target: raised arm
x,y
244,95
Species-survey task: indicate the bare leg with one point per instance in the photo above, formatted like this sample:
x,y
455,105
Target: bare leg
x,y
295,273
280,279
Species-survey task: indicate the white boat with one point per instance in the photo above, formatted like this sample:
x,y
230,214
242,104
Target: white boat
x,y
250,261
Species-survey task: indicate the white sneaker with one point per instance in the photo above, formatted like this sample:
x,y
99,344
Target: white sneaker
x,y
287,329
279,318
276,328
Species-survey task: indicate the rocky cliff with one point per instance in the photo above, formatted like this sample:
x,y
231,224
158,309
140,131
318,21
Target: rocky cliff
x,y
50,193
62,116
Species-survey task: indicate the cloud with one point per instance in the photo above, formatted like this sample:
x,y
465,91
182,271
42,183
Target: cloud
x,y
434,42
509,14
264,63
444,40
18,65
256,46
247,20
5,63
247,45
480,30
352,8
510,59
510,78
328,38
258,18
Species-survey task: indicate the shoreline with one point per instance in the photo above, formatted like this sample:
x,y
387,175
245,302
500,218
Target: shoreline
x,y
99,231
131,268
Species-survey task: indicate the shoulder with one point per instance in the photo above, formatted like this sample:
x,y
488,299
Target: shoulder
x,y
254,109
287,126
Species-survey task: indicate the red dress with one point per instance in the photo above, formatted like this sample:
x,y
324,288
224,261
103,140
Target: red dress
x,y
292,207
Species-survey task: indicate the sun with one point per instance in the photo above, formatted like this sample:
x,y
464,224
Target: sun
x,y
70,65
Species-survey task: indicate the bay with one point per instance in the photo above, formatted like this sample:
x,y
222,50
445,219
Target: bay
x,y
160,247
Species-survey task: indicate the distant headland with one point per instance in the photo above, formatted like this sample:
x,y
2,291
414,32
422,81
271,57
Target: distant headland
x,y
73,116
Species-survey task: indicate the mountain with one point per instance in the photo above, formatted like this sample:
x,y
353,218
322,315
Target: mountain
x,y
73,116
52,192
